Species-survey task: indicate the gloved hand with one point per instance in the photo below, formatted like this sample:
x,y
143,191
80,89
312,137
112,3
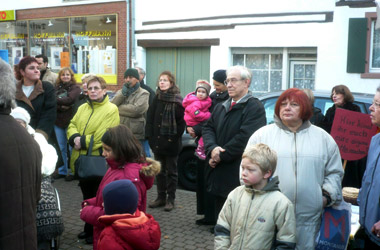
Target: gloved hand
x,y
124,89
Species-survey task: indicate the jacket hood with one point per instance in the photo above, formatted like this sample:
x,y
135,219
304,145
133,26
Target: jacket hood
x,y
278,122
152,168
272,185
138,230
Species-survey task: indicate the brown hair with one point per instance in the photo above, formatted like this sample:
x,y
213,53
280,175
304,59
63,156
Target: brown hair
x,y
124,144
61,72
24,62
345,91
99,79
299,97
173,88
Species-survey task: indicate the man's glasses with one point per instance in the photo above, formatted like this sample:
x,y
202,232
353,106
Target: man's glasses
x,y
376,104
232,81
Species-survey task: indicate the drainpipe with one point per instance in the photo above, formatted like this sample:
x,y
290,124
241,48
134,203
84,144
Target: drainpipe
x,y
129,33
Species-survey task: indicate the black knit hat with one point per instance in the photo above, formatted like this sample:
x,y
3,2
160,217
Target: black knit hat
x,y
120,197
220,75
132,72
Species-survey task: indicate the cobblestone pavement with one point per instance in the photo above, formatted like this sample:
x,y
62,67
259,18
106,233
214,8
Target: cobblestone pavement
x,y
178,228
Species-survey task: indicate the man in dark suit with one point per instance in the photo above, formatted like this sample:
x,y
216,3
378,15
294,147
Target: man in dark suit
x,y
226,134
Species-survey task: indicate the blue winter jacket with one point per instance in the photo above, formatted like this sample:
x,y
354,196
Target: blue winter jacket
x,y
369,195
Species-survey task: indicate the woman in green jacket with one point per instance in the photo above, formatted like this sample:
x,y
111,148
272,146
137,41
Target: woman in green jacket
x,y
91,119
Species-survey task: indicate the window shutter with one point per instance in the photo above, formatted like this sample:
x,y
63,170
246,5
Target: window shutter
x,y
357,43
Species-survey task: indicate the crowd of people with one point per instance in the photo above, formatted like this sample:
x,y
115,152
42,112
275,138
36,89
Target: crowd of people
x,y
259,186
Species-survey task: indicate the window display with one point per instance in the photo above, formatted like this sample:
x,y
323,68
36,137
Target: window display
x,y
50,37
94,45
13,38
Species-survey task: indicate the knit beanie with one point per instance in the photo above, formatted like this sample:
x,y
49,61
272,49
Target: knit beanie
x,y
132,72
120,197
205,85
22,114
220,76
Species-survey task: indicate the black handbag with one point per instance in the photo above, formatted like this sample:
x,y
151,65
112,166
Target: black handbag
x,y
89,167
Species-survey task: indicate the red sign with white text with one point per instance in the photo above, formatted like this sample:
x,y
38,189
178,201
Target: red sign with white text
x,y
352,131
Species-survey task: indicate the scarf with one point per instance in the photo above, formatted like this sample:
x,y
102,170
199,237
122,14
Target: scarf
x,y
127,91
168,122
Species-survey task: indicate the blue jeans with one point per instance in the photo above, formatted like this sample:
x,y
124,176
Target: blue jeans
x,y
146,147
61,135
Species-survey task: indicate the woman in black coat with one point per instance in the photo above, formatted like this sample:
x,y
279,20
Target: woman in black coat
x,y
164,128
205,201
36,96
343,98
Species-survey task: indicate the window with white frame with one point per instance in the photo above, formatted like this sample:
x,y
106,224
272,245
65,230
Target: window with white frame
x,y
266,70
375,50
275,69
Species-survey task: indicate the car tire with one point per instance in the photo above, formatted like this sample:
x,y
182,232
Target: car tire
x,y
187,169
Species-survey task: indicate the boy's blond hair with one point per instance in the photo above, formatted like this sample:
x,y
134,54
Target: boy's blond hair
x,y
263,156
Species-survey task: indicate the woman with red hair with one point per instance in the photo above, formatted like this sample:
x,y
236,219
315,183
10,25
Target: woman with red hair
x,y
309,165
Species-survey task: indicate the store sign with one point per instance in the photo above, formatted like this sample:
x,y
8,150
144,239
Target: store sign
x,y
7,15
49,35
12,36
94,33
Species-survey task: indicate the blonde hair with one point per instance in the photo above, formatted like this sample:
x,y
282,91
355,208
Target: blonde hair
x,y
86,77
263,156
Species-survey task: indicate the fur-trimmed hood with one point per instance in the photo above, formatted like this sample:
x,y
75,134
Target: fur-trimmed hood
x,y
152,168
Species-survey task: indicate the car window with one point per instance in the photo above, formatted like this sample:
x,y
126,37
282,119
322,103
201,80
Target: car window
x,y
269,105
323,103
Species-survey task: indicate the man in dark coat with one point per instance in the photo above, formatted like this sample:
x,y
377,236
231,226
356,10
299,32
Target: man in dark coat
x,y
151,97
227,132
20,179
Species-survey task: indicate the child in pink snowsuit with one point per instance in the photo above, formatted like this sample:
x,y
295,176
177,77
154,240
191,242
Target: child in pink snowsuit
x,y
197,106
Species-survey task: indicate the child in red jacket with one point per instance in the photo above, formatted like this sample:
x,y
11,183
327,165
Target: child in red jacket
x,y
124,156
125,227
197,105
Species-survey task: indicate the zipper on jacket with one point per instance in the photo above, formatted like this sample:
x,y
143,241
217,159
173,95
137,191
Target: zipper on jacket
x,y
295,171
246,219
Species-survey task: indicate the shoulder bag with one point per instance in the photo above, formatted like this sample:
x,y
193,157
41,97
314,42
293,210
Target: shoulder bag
x,y
89,167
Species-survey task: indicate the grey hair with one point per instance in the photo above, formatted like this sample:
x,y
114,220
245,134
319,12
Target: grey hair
x,y
7,85
378,89
245,73
141,70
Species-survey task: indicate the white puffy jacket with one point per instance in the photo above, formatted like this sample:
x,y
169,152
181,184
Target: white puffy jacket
x,y
308,162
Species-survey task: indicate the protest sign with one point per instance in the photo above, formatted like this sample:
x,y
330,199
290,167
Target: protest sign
x,y
352,131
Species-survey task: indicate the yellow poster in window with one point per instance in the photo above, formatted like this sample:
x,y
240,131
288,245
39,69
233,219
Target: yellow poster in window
x,y
65,59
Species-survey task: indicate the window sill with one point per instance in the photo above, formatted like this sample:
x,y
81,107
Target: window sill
x,y
370,75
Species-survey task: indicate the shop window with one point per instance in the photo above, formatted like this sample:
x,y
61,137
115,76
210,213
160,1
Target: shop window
x,y
93,46
266,71
13,41
50,37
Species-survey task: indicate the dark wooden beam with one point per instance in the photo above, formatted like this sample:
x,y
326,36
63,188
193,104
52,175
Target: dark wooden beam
x,y
356,4
157,43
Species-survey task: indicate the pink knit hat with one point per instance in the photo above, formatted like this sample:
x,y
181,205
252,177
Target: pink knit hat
x,y
203,84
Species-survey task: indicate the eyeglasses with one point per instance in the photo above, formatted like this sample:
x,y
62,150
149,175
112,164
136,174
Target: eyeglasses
x,y
232,81
93,88
376,104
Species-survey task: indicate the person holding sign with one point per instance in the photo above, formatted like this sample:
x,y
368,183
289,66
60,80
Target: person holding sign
x,y
309,166
369,194
343,98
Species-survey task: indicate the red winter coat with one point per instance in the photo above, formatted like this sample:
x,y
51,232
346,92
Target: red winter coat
x,y
127,231
196,110
143,178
